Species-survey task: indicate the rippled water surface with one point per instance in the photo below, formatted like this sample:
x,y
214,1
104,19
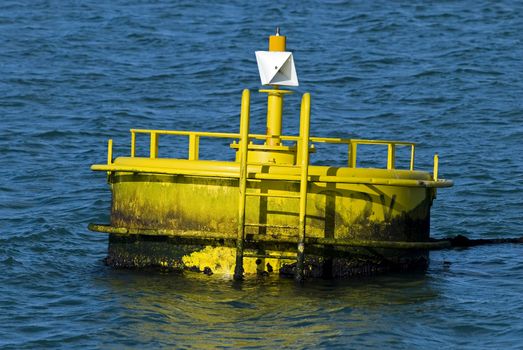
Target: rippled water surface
x,y
74,73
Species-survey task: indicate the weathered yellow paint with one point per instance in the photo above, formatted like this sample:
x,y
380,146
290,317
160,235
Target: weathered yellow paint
x,y
201,197
222,260
210,204
243,217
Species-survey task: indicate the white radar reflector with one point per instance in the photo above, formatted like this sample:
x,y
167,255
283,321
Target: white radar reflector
x,y
276,68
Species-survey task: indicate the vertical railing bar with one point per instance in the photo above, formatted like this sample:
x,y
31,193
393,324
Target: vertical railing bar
x,y
353,152
436,167
153,148
109,152
391,156
194,146
133,143
412,151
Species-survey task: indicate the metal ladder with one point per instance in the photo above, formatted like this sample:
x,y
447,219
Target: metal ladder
x,y
303,159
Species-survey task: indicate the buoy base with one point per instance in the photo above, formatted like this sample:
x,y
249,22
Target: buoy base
x,y
165,253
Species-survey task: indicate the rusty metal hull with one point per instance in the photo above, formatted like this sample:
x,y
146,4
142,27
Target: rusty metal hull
x,y
195,221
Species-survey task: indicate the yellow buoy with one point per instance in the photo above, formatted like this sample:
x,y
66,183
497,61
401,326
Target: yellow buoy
x,y
269,210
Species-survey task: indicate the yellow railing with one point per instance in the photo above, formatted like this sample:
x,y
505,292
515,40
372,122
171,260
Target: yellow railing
x,y
194,144
353,149
194,140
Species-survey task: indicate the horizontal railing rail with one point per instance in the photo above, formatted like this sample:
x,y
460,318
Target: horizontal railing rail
x,y
194,143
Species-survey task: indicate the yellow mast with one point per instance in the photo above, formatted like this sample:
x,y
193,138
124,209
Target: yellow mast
x,y
277,42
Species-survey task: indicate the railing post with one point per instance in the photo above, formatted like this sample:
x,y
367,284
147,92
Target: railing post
x,y
153,153
436,167
353,152
391,156
194,146
412,151
133,143
110,152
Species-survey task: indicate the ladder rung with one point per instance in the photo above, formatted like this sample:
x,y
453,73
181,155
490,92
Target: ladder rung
x,y
256,194
276,177
270,226
276,164
263,256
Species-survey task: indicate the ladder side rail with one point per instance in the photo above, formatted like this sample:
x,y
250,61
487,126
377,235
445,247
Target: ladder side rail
x,y
304,162
242,186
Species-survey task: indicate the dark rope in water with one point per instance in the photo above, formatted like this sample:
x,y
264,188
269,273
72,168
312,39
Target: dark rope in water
x,y
461,241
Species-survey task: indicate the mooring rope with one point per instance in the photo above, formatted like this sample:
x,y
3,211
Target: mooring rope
x,y
461,241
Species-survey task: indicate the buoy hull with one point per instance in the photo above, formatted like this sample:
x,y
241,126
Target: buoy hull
x,y
189,222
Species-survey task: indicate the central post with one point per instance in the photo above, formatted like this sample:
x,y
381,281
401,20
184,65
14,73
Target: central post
x,y
274,114
277,43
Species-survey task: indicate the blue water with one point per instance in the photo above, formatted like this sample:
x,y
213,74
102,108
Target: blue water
x,y
75,73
